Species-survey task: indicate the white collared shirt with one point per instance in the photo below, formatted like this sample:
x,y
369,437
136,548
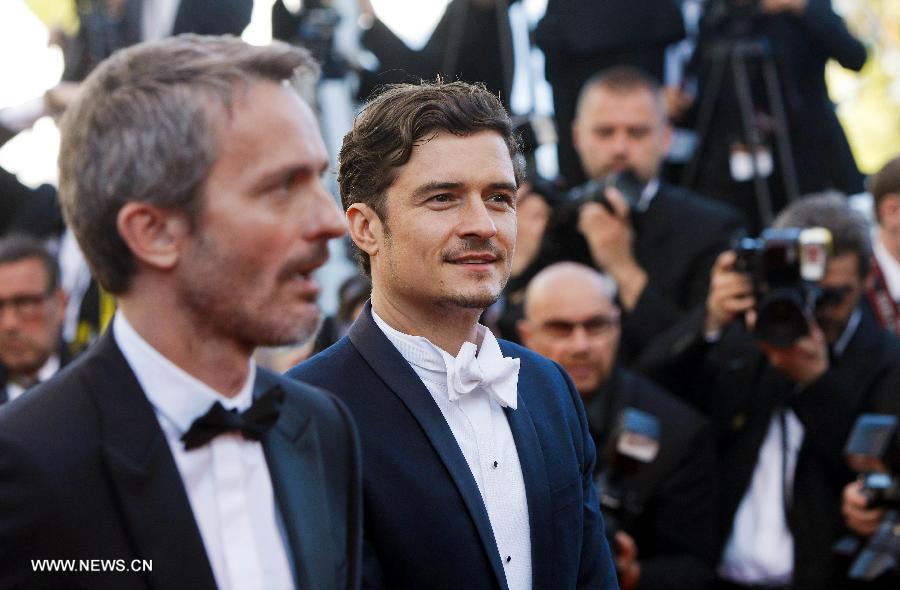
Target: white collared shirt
x,y
158,18
227,480
890,268
482,432
14,390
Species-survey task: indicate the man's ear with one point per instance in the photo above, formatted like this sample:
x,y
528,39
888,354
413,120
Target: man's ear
x,y
155,236
365,228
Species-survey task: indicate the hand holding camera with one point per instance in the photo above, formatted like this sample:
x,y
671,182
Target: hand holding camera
x,y
861,518
606,227
730,294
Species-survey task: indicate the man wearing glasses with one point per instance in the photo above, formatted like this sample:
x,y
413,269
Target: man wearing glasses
x,y
32,306
667,530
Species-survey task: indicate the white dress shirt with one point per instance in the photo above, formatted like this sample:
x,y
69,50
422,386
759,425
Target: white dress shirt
x,y
158,18
227,480
482,432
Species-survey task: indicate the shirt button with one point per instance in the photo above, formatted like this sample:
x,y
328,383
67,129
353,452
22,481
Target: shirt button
x,y
508,558
495,465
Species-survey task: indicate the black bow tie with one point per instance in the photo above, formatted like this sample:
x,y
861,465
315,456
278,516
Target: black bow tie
x,y
252,422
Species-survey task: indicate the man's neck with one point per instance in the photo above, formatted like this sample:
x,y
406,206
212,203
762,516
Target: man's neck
x,y
447,327
193,346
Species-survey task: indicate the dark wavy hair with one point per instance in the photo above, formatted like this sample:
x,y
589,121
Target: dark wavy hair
x,y
400,117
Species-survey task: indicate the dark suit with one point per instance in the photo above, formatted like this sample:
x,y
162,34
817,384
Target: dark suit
x,y
86,473
676,242
101,33
735,386
674,497
426,524
64,359
583,37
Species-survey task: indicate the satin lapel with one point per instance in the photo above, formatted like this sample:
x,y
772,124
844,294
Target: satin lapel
x,y
151,494
295,466
537,489
400,378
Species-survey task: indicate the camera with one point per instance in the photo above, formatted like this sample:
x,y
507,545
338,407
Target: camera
x,y
594,191
634,442
785,266
873,449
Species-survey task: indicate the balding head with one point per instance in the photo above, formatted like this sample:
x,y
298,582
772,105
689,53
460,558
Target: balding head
x,y
570,318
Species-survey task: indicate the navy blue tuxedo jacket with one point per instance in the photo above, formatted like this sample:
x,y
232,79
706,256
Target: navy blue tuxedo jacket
x,y
86,474
425,522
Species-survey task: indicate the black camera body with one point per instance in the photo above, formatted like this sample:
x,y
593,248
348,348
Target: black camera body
x,y
785,266
594,191
633,443
874,447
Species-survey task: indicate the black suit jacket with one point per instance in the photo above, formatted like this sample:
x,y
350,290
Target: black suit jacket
x,y
735,386
426,524
676,241
86,473
674,497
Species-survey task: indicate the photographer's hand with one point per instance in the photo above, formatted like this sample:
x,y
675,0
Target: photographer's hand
x,y
730,294
859,518
627,564
805,360
609,237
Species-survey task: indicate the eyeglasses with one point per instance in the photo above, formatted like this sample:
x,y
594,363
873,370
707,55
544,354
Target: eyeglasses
x,y
25,305
593,327
831,296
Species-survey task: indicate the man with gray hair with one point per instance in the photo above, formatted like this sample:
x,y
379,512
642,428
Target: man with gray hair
x,y
190,175
783,411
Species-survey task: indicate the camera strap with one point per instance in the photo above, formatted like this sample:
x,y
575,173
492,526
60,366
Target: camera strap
x,y
887,312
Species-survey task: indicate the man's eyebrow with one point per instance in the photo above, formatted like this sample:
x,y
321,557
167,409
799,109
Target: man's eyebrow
x,y
430,187
504,186
292,170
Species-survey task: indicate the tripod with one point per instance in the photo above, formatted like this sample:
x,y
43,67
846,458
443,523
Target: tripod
x,y
737,54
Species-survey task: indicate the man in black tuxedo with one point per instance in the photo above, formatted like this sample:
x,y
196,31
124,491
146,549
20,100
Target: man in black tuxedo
x,y
32,305
190,174
582,37
782,414
658,250
667,536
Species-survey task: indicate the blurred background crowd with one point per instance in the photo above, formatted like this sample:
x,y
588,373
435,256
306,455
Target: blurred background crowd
x,y
708,242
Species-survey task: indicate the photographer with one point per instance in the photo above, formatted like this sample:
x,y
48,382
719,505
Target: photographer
x,y
666,519
660,246
783,412
798,37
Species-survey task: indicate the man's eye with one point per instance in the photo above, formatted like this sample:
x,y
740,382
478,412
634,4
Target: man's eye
x,y
503,198
443,198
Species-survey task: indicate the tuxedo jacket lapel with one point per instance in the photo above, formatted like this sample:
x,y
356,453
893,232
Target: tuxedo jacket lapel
x,y
151,494
399,377
295,466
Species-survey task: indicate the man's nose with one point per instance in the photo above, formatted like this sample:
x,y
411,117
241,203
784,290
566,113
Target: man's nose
x,y
9,317
476,220
325,220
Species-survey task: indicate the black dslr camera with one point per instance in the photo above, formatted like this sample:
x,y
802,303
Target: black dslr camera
x,y
785,266
633,443
594,191
873,449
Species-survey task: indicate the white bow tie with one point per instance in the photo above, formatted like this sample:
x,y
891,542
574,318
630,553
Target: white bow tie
x,y
497,374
